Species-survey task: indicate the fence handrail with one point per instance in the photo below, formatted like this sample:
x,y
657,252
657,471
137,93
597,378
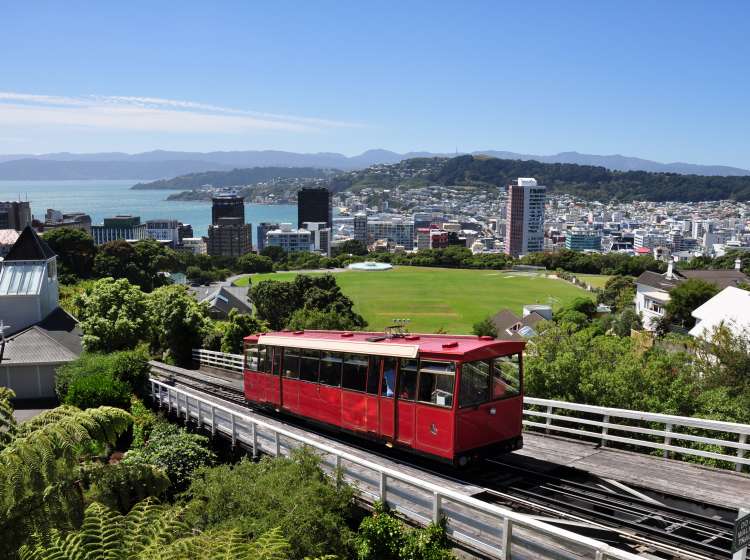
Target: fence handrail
x,y
705,423
599,548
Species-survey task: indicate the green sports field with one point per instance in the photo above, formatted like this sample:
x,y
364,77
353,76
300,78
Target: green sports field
x,y
440,298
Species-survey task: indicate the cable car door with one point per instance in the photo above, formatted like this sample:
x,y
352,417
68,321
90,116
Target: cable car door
x,y
386,402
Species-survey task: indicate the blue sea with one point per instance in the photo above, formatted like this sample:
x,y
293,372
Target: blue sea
x,y
102,199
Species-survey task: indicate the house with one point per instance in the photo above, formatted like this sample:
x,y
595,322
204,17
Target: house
x,y
652,288
730,307
36,335
512,327
225,298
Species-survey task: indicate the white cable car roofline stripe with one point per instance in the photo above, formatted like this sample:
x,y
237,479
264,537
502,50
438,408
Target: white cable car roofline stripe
x,y
397,350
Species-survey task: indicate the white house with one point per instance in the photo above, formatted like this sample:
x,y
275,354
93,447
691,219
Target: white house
x,y
730,307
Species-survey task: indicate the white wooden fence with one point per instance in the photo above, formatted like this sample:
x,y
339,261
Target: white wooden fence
x,y
726,441
491,529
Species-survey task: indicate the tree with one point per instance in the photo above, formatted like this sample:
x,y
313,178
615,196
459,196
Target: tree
x,y
252,263
685,298
274,302
293,494
485,327
350,247
238,327
39,469
723,359
75,250
275,253
618,293
625,321
140,263
179,322
314,319
113,316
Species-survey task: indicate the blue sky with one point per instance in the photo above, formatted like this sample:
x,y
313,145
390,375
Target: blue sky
x,y
666,80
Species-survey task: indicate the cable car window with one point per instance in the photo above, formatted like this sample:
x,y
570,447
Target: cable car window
x,y
354,376
308,365
265,360
407,380
436,382
330,368
291,363
251,357
475,383
373,375
388,387
506,377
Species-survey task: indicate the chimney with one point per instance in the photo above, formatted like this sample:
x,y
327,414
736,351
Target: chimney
x,y
670,269
737,264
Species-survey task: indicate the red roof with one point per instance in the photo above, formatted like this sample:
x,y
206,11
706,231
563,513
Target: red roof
x,y
643,250
443,344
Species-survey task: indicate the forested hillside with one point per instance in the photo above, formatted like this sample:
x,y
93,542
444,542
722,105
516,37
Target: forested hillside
x,y
234,178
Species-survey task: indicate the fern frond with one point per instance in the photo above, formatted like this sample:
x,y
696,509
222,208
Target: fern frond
x,y
8,425
271,545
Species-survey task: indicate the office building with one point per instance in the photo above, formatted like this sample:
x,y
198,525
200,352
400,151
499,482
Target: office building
x,y
360,228
230,237
314,205
15,215
583,240
260,234
396,229
195,245
227,206
167,231
123,227
524,230
320,238
423,238
290,239
185,231
55,219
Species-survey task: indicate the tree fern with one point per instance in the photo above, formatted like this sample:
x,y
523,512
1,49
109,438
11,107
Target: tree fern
x,y
8,426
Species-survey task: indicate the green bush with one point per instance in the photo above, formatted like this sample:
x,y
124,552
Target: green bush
x,y
291,493
383,537
122,485
175,451
144,420
98,389
130,367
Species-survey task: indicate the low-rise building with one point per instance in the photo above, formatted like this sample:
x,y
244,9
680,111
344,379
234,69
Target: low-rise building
x,y
195,245
583,240
125,227
290,239
729,308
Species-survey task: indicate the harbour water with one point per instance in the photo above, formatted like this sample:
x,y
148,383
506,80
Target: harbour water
x,y
101,199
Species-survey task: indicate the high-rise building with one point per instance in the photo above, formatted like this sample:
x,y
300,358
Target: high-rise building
x,y
360,228
289,239
524,230
583,240
15,215
314,205
320,238
124,227
164,230
227,206
230,237
260,234
395,229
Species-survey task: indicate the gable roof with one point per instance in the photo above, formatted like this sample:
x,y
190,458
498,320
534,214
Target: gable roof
x,y
721,278
227,298
505,319
731,306
29,247
658,281
56,339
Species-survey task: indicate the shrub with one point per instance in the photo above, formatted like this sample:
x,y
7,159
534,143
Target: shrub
x,y
120,486
98,389
144,420
291,493
177,452
130,367
485,327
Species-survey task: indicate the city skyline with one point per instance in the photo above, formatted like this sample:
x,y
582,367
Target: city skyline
x,y
659,82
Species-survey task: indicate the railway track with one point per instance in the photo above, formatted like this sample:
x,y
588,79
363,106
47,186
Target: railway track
x,y
576,501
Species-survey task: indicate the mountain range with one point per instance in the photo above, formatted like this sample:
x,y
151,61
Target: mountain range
x,y
160,164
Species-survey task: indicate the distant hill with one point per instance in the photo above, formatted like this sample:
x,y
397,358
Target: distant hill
x,y
235,177
160,164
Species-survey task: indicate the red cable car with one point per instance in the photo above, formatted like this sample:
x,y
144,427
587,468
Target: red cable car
x,y
449,397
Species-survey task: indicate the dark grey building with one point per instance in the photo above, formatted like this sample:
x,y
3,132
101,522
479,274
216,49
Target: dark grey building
x,y
15,215
227,206
230,237
260,234
314,205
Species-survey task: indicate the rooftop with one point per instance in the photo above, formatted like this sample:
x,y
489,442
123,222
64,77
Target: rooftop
x,y
29,247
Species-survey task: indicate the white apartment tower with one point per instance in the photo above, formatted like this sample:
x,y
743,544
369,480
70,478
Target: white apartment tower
x,y
524,229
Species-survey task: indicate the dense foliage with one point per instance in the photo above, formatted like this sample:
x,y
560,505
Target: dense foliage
x,y
685,298
237,327
291,493
178,323
100,388
276,302
127,367
76,252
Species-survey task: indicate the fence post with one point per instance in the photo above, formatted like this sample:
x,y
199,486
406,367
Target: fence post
x,y
549,419
741,554
383,488
605,430
507,538
437,506
213,420
667,439
255,441
741,452
234,430
277,443
200,415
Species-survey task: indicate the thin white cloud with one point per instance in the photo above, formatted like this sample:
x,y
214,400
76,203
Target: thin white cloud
x,y
147,114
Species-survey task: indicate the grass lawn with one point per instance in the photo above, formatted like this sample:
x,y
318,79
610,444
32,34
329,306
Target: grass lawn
x,y
435,298
595,280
